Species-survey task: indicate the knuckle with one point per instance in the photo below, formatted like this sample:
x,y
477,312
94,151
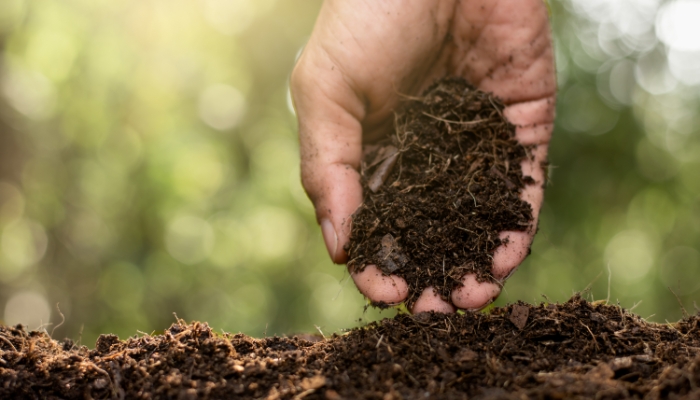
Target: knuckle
x,y
310,183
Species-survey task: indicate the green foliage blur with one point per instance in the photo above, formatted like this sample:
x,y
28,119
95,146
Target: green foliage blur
x,y
149,165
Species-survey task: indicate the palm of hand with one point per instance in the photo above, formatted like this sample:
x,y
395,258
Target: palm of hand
x,y
347,83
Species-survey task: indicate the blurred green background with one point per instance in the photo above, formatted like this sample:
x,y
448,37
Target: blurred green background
x,y
149,165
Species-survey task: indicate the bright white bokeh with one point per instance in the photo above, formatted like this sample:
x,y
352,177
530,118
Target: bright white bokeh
x,y
629,17
632,29
677,25
685,65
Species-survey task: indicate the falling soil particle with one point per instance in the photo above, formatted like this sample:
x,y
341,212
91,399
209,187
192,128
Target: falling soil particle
x,y
438,192
573,350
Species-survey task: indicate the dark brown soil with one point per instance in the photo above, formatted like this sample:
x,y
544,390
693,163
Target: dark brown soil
x,y
438,192
573,350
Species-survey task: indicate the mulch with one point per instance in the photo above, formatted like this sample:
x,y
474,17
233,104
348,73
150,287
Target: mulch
x,y
439,191
550,351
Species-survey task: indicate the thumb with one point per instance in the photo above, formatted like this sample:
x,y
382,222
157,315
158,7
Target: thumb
x,y
330,135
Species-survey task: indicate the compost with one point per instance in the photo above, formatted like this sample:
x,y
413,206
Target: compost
x,y
550,351
438,192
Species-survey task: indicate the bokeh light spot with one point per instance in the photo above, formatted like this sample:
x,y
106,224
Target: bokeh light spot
x,y
677,24
221,106
685,65
652,73
189,239
52,52
232,244
28,92
630,255
274,231
23,243
28,308
622,81
229,16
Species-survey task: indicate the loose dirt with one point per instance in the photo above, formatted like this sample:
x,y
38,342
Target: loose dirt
x,y
439,191
572,350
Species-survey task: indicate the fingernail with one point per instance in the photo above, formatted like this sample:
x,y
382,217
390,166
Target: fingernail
x,y
330,237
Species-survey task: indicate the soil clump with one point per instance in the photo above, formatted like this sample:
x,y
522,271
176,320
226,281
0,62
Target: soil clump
x,y
439,191
572,350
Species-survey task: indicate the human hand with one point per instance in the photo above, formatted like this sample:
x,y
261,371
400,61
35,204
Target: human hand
x,y
363,54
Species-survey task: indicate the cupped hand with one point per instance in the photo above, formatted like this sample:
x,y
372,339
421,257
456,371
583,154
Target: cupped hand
x,y
364,54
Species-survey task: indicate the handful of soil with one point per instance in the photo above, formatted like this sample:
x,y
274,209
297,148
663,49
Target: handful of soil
x,y
440,190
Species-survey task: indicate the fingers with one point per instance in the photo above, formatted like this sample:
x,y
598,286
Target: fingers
x,y
509,255
378,287
429,300
330,136
533,120
516,245
474,295
534,126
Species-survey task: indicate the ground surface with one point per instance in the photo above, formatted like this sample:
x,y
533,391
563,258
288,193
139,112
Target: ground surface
x,y
439,191
573,350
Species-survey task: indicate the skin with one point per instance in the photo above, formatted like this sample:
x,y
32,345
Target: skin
x,y
363,54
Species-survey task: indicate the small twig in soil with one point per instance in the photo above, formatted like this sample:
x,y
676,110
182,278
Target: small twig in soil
x,y
592,335
318,328
379,342
475,122
498,110
635,305
63,319
607,299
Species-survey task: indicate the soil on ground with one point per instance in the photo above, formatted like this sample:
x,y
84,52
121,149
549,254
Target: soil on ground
x,y
439,191
550,351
